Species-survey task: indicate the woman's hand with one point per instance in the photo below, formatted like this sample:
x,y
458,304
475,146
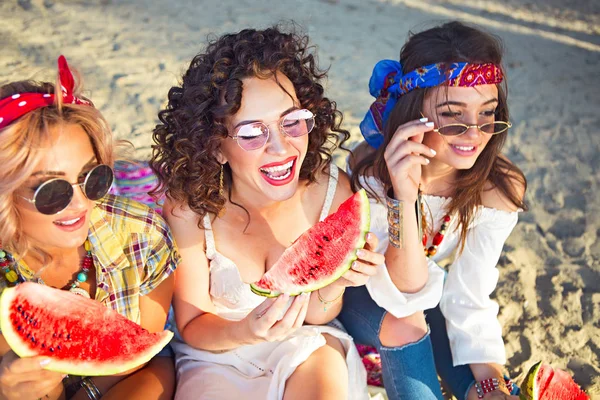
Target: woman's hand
x,y
26,378
404,156
366,265
266,323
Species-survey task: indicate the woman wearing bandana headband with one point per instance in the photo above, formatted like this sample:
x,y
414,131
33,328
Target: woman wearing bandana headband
x,y
433,147
59,227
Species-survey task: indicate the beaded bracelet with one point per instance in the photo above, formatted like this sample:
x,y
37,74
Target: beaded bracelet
x,y
491,384
395,218
90,388
328,302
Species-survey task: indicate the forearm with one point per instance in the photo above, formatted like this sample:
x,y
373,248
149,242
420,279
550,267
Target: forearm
x,y
486,371
324,310
406,264
212,333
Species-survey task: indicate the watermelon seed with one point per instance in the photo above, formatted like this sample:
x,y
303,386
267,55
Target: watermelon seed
x,y
58,347
325,238
319,246
32,340
19,308
51,349
43,345
68,336
319,253
19,328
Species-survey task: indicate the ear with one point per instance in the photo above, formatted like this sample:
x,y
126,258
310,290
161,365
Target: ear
x,y
221,158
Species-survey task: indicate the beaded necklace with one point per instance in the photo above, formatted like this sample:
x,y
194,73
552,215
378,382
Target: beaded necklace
x,y
439,236
13,277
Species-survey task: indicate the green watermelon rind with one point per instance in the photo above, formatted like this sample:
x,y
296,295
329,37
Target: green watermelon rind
x,y
528,388
365,224
71,367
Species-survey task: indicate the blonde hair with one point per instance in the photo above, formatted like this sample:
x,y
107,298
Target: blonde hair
x,y
22,146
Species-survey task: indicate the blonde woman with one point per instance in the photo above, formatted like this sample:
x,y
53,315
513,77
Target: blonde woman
x,y
58,227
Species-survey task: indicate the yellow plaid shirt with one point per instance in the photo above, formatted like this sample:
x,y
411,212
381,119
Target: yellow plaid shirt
x,y
133,252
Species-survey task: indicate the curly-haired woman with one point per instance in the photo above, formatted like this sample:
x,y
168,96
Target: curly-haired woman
x,y
244,156
58,227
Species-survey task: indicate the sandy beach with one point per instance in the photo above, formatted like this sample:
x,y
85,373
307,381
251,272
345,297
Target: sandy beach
x,y
132,52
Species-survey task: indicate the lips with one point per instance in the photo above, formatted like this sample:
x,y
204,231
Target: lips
x,y
71,223
279,173
464,149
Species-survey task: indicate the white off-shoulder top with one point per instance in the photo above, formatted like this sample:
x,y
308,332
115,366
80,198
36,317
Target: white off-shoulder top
x,y
463,290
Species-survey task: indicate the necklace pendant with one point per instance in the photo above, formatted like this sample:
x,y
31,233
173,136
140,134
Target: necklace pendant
x,y
80,292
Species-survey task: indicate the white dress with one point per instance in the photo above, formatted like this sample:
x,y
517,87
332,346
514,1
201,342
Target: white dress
x,y
255,371
463,290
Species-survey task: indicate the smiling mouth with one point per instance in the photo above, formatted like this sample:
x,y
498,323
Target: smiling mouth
x,y
279,172
463,148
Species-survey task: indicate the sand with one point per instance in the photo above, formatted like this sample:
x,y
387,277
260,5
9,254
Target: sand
x,y
549,292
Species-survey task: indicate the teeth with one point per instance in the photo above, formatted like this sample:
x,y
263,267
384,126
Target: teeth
x,y
69,222
464,148
280,178
279,168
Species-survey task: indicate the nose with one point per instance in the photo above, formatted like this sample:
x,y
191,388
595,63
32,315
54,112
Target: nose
x,y
278,140
79,201
473,131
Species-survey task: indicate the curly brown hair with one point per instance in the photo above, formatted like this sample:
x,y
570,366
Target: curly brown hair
x,y
188,139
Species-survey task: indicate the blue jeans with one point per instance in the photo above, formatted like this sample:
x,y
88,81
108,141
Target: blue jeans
x,y
409,371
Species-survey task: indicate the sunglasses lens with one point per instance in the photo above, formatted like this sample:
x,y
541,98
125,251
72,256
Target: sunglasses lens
x,y
298,123
53,196
494,127
252,136
98,182
452,130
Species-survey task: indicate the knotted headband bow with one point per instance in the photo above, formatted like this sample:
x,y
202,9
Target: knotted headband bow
x,y
387,84
15,106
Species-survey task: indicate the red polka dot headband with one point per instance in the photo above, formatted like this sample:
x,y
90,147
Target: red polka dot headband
x,y
17,105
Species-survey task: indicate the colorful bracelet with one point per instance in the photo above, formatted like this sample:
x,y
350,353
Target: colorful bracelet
x,y
395,219
491,384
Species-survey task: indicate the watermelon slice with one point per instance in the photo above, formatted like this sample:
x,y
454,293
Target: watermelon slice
x,y
321,254
542,382
82,336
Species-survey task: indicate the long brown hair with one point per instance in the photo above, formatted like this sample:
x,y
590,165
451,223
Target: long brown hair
x,y
193,124
453,42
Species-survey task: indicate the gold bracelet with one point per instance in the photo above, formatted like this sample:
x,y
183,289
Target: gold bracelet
x,y
395,219
328,302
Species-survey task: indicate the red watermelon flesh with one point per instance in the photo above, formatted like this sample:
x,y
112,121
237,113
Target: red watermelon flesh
x,y
542,382
82,336
321,254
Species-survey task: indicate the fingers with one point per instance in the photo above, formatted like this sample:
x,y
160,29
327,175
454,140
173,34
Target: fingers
x,y
372,241
285,325
302,316
269,317
365,269
412,130
27,364
355,278
405,149
369,257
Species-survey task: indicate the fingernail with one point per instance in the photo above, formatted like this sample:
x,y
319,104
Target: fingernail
x,y
433,151
424,119
45,362
427,161
360,252
369,236
354,264
429,124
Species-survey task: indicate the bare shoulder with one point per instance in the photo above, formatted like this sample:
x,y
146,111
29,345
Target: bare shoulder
x,y
342,191
494,197
183,222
